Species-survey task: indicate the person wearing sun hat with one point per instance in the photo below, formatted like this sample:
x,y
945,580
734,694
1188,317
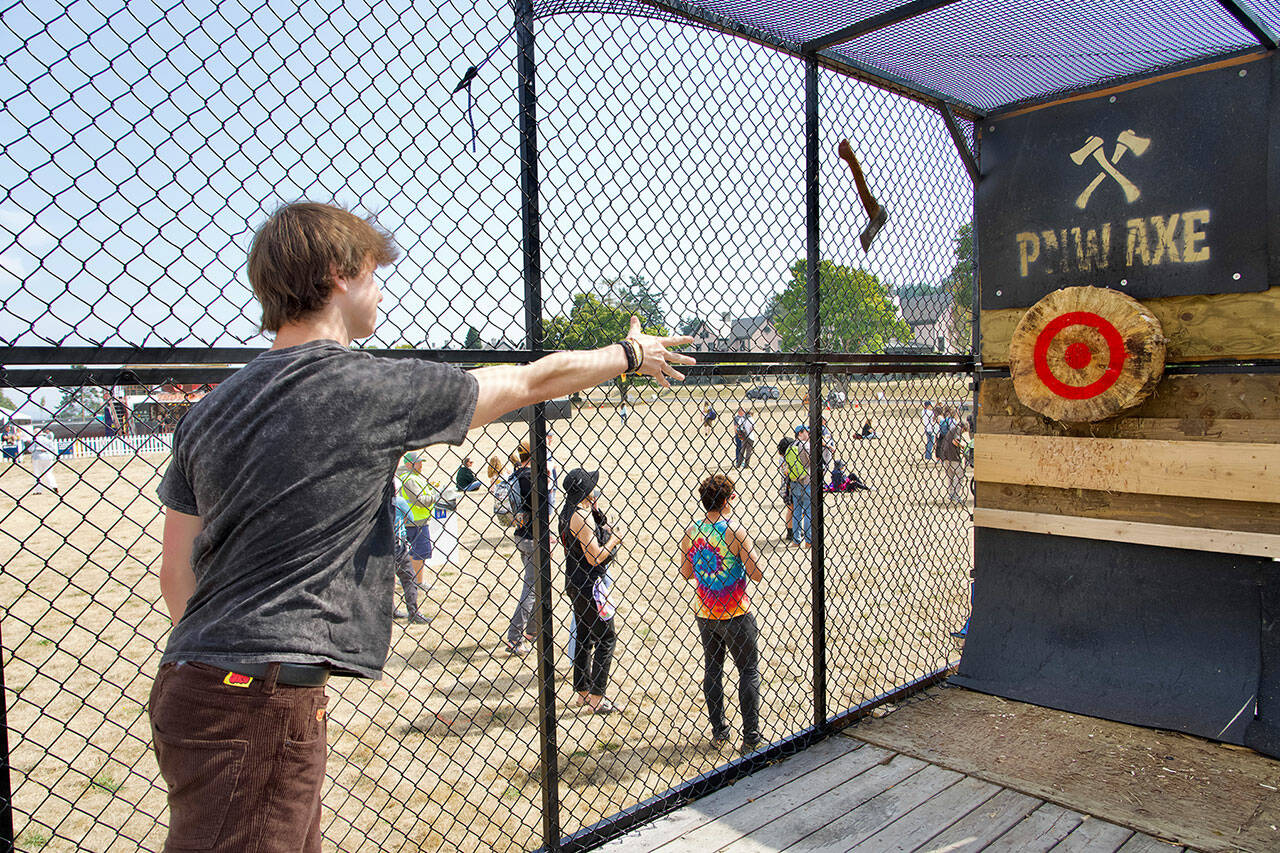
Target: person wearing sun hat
x,y
590,545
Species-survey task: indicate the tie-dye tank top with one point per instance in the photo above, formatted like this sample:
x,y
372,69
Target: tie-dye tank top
x,y
722,581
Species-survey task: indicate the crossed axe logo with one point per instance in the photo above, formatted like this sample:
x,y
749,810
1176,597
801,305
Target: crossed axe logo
x,y
1126,141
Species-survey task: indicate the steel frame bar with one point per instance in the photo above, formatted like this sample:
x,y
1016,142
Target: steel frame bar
x,y
531,245
1249,19
957,136
887,18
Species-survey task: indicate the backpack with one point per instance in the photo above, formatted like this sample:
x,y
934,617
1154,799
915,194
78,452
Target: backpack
x,y
507,502
944,429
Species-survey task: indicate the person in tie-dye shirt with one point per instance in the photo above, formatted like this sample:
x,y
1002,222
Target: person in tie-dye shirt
x,y
717,554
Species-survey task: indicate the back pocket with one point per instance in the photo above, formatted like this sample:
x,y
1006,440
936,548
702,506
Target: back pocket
x,y
202,776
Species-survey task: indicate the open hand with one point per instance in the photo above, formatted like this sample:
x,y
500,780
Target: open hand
x,y
656,358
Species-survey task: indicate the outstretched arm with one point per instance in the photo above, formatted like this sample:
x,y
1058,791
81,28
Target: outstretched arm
x,y
505,388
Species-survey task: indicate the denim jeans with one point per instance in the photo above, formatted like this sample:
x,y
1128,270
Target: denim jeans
x,y
930,439
737,636
528,592
244,765
801,512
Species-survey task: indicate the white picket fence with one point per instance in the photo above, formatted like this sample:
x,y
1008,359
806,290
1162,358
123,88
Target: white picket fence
x,y
115,445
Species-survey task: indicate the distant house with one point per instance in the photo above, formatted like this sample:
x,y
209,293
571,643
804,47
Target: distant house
x,y
745,334
929,316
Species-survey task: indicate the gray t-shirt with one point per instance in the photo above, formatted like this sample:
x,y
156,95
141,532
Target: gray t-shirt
x,y
290,465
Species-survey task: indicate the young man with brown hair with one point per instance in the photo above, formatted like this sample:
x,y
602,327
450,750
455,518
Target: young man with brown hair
x,y
278,552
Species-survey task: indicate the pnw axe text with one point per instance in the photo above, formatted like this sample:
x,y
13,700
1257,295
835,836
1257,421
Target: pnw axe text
x,y
1179,238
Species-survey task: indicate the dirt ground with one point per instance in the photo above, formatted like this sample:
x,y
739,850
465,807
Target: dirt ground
x,y
1206,795
443,753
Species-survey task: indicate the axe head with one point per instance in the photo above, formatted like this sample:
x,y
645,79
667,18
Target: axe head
x,y
873,228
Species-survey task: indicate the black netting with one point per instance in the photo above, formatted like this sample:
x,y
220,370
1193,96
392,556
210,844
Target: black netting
x,y
143,146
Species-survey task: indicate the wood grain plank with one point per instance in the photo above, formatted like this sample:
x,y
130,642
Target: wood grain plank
x,y
1198,328
1213,398
752,815
984,824
1225,471
1140,843
1253,516
788,827
840,834
1094,836
1164,429
1041,829
930,818
1109,530
653,835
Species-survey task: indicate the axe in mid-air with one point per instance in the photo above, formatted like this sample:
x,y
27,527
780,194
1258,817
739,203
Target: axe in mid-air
x,y
875,211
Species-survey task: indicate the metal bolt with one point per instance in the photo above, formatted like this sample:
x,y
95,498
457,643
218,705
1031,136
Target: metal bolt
x,y
1112,99
1236,276
1244,73
1124,282
991,128
1001,292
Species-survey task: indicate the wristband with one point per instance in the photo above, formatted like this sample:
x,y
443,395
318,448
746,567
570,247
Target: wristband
x,y
632,361
639,352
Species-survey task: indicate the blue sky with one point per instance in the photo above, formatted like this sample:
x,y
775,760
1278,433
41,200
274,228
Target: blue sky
x,y
141,145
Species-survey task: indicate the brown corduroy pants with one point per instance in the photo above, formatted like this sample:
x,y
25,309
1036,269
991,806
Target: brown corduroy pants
x,y
244,765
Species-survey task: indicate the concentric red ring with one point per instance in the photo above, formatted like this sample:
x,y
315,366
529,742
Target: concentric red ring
x,y
1116,355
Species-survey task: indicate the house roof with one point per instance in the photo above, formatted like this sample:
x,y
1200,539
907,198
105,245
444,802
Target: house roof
x,y
925,309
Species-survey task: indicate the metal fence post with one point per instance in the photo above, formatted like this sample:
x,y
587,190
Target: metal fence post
x,y
818,566
6,786
813,306
526,68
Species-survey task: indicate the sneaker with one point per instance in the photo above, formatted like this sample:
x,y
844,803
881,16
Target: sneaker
x,y
419,619
748,747
400,614
719,742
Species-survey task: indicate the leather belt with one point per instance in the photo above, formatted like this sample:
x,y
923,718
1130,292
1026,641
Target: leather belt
x,y
291,674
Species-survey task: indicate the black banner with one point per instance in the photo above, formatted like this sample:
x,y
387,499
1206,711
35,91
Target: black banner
x,y
1155,190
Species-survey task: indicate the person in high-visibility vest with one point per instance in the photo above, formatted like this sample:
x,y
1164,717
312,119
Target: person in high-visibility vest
x,y
421,495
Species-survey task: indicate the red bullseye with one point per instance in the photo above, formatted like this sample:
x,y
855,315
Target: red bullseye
x,y
1077,359
1078,356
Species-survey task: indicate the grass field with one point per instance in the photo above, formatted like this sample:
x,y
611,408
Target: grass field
x,y
443,753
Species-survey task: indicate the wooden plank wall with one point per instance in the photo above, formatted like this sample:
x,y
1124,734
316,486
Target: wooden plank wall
x,y
1242,326
1197,465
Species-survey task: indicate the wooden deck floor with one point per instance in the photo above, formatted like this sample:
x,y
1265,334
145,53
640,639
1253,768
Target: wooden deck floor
x,y
846,795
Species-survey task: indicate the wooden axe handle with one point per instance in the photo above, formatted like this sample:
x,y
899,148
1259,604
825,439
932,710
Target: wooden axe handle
x,y
868,201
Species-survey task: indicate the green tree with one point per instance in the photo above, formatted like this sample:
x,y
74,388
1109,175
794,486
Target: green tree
x,y
6,403
959,285
639,297
592,322
856,314
473,338
691,325
79,404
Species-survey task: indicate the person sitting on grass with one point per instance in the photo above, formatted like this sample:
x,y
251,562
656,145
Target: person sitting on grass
x,y
718,555
466,479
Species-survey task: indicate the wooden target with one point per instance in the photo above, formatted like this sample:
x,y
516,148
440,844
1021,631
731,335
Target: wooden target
x,y
1084,354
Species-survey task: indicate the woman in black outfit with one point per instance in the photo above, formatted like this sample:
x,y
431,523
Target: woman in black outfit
x,y
589,546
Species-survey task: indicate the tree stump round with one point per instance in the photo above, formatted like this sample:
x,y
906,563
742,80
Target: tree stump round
x,y
1085,354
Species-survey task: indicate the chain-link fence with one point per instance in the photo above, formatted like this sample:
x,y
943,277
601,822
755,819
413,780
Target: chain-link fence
x,y
142,145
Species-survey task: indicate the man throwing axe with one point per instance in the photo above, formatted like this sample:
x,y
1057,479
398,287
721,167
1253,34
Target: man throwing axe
x,y
278,550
